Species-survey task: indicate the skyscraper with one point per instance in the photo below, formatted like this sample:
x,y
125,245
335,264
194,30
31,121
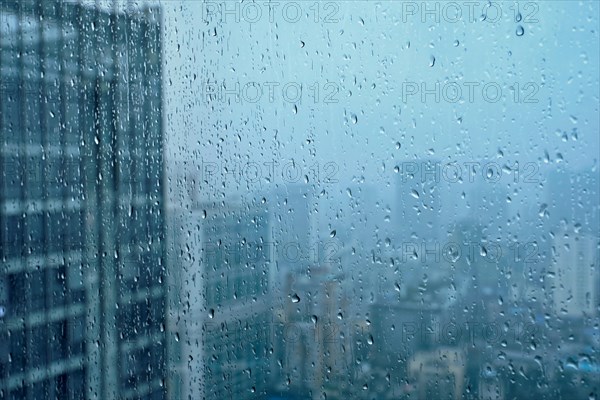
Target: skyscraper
x,y
575,268
572,199
223,319
82,272
573,218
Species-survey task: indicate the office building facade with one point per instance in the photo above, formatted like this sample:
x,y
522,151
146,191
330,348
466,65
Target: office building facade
x,y
82,254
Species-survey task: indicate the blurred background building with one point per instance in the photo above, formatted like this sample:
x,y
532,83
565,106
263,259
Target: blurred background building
x,y
221,300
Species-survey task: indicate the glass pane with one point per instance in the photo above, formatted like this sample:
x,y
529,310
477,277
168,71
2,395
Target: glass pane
x,y
299,199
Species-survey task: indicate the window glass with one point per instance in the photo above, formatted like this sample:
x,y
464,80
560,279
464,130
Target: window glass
x,y
222,199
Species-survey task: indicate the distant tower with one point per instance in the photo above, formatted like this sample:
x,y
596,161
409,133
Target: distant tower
x,y
573,197
224,315
575,288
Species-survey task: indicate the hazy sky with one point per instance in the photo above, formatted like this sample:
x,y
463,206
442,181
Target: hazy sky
x,y
366,56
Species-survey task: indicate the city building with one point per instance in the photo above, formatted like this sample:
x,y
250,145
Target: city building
x,y
574,286
572,199
314,335
222,318
439,373
82,273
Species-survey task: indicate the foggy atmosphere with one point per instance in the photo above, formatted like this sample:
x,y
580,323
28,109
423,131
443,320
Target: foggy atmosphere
x,y
309,199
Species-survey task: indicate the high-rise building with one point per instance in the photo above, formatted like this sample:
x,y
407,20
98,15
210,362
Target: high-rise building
x,y
223,321
438,373
575,270
572,199
312,340
573,214
82,276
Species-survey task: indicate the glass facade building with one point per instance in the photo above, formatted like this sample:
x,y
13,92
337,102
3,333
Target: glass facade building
x,y
82,277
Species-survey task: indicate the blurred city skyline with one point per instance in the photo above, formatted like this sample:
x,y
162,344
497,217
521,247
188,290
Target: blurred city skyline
x,y
285,200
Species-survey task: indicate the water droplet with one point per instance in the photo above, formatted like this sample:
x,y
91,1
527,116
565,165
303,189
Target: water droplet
x,y
518,17
456,43
333,233
559,157
414,194
520,31
295,298
432,61
302,44
211,313
532,346
354,119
